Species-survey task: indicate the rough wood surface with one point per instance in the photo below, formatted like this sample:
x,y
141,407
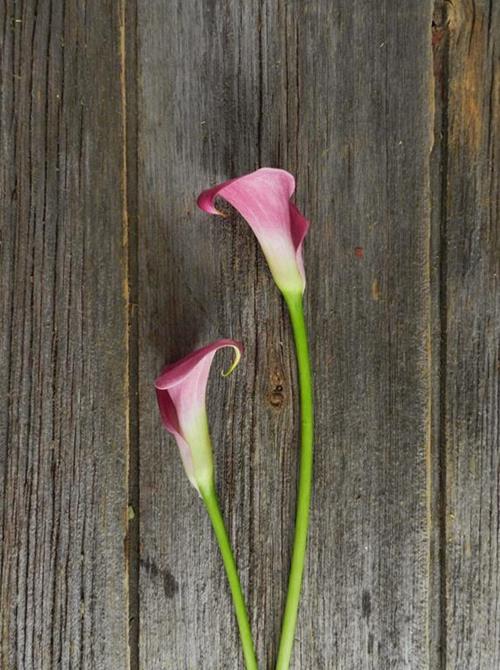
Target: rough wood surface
x,y
113,116
63,360
340,94
471,319
364,174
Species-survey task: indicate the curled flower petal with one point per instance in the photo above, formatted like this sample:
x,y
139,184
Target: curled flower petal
x,y
263,200
180,391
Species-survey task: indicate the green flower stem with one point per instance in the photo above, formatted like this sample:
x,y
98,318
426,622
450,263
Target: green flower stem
x,y
296,309
209,496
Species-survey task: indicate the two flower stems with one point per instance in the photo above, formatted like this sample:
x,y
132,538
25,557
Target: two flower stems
x,y
296,310
209,496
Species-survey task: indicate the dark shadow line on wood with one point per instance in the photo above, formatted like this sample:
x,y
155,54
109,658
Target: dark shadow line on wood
x,y
443,353
441,11
443,316
129,46
260,123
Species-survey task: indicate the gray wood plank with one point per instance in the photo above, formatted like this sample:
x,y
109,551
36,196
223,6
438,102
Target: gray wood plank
x,y
63,348
341,94
365,134
201,279
472,329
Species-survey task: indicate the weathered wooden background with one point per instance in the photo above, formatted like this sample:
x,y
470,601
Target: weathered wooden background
x,y
114,115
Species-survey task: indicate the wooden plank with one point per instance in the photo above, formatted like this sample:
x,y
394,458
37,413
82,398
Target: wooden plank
x,y
472,328
63,359
199,123
365,134
341,94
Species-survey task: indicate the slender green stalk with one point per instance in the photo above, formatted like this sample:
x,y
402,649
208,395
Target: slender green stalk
x,y
209,496
296,309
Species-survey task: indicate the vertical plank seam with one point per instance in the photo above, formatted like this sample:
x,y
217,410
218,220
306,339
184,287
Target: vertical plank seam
x,y
128,83
126,293
260,125
441,198
129,291
429,433
427,364
443,355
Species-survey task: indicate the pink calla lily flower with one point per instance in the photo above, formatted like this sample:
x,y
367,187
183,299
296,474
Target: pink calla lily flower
x,y
180,391
263,199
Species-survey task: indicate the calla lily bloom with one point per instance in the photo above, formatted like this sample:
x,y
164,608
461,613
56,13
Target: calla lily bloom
x,y
263,200
180,390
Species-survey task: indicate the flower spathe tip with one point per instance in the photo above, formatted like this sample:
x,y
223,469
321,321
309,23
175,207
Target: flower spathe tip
x,y
174,373
180,391
263,200
237,358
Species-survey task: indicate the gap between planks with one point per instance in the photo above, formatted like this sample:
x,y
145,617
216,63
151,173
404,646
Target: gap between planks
x,y
128,80
438,252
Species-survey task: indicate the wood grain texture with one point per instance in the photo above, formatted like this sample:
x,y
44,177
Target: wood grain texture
x,y
63,358
199,121
472,322
340,94
113,116
364,144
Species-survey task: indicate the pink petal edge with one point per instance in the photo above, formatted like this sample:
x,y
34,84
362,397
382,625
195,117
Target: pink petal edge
x,y
174,373
299,225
